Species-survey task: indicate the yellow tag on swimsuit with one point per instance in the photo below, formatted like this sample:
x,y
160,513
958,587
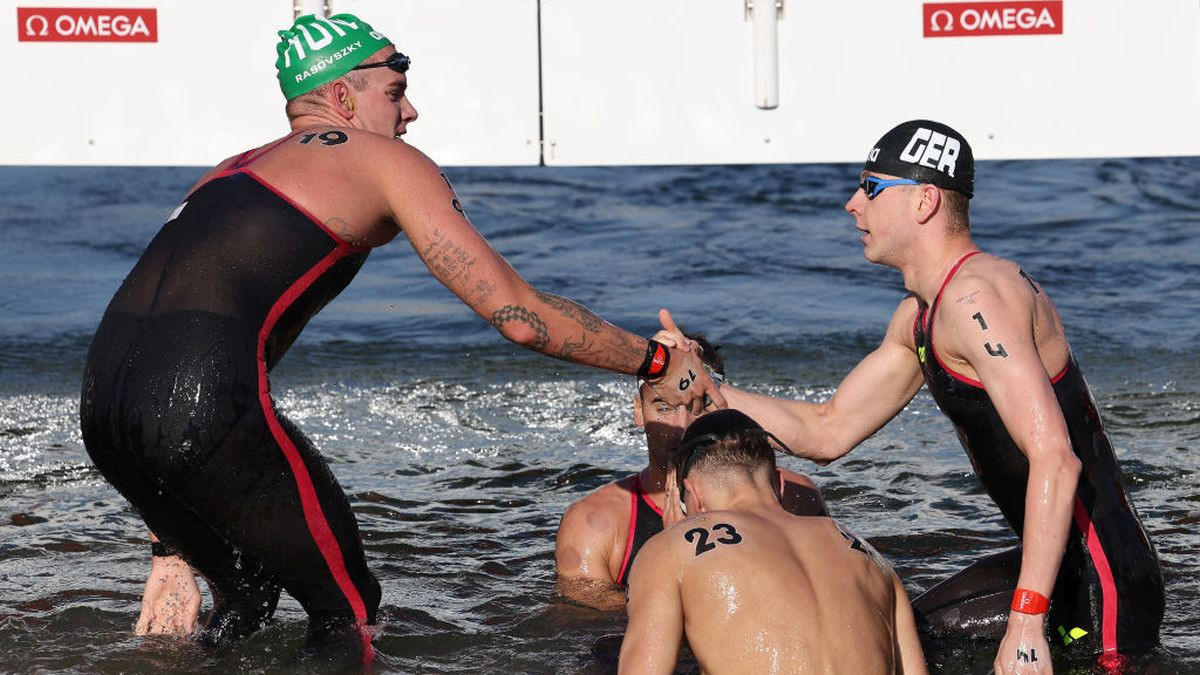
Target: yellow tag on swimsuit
x,y
921,353
1074,635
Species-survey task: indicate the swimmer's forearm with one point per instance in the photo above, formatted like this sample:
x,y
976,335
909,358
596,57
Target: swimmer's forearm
x,y
1049,502
595,593
564,329
870,395
802,425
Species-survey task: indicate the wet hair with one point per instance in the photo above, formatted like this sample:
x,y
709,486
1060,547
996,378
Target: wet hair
x,y
956,205
722,440
710,354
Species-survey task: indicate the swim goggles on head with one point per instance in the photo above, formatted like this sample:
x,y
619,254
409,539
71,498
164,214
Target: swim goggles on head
x,y
397,62
693,449
872,185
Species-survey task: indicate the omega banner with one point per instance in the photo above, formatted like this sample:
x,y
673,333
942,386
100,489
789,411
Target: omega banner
x,y
86,24
971,19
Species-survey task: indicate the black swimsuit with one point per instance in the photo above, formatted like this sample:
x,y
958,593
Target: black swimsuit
x,y
1108,596
645,521
176,408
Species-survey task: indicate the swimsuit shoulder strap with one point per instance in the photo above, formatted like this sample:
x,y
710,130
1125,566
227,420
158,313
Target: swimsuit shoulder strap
x,y
928,318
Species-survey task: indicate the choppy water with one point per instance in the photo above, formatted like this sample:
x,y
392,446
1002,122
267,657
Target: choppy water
x,y
460,452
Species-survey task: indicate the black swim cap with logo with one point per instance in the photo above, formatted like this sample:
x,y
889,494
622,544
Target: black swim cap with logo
x,y
925,151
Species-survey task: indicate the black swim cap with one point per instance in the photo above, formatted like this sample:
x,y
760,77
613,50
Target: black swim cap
x,y
929,152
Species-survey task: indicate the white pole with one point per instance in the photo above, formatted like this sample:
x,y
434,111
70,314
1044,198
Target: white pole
x,y
765,15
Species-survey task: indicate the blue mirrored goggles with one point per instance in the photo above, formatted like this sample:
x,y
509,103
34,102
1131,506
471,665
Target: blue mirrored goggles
x,y
872,186
397,62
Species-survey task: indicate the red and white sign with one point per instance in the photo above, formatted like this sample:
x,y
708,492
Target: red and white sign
x,y
971,19
86,24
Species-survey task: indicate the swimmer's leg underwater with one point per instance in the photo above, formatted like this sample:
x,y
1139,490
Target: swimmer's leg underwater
x,y
259,511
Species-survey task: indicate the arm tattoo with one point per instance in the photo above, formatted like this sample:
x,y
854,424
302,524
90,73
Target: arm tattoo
x,y
599,344
447,260
572,310
482,291
978,316
509,313
594,345
343,231
573,349
609,352
968,299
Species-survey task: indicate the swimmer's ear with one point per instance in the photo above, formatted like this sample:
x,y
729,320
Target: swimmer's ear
x,y
341,99
638,418
693,494
931,199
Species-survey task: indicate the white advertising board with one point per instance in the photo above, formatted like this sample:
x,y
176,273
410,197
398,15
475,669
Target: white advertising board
x,y
474,76
205,88
591,82
673,81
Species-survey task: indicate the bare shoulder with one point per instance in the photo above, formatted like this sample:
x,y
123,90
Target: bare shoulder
x,y
672,541
214,171
900,327
857,544
599,513
984,277
693,539
341,142
661,558
800,495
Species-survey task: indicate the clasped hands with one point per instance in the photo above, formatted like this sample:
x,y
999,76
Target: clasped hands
x,y
686,381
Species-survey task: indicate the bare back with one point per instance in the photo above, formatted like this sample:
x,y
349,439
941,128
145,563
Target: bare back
x,y
791,595
767,592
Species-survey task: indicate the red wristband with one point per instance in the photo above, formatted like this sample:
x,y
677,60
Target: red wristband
x,y
655,364
1029,602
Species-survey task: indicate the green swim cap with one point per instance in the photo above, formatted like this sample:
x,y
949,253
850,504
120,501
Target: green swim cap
x,y
316,51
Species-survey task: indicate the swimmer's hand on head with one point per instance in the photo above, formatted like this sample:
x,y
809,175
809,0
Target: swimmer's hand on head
x,y
171,599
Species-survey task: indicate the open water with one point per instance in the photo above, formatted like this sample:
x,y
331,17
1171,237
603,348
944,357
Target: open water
x,y
460,451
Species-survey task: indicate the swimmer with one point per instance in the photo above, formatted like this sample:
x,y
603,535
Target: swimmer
x,y
982,334
176,408
754,588
600,535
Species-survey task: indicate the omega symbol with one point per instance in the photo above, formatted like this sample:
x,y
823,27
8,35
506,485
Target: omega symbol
x,y
29,30
933,21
